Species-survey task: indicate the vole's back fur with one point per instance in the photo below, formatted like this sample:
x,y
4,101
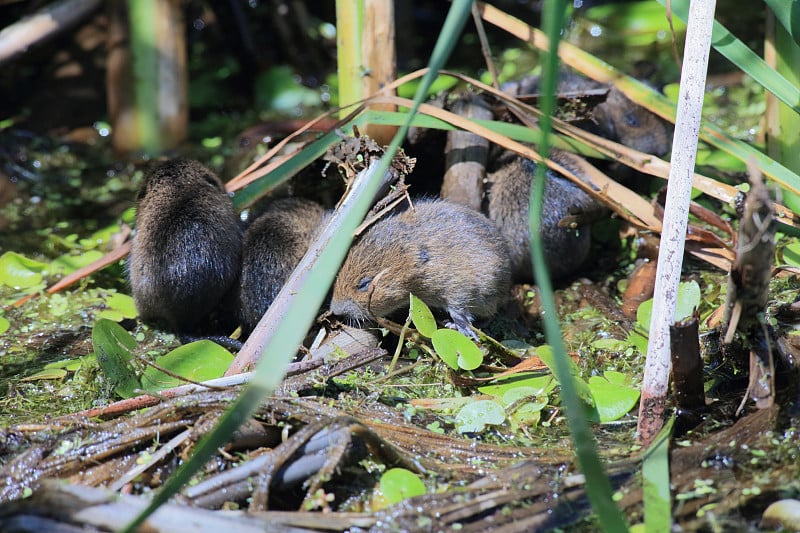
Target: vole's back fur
x,y
450,256
186,252
273,245
565,249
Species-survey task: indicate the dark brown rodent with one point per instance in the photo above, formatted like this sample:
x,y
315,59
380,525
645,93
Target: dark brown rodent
x,y
617,118
273,245
450,256
186,252
565,248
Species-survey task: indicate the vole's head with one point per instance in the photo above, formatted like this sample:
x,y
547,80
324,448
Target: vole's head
x,y
374,280
633,125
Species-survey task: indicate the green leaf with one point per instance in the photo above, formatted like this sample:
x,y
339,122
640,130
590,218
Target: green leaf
x,y
398,484
113,347
790,254
197,361
68,263
422,317
688,300
475,416
545,353
456,349
613,399
511,388
20,272
4,324
47,373
118,306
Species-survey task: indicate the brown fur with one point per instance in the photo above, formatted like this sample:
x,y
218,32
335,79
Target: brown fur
x,y
449,255
273,245
186,252
565,249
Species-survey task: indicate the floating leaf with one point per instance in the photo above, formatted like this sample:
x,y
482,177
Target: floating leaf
x,y
545,352
118,306
47,373
113,346
398,484
688,300
456,349
422,317
520,385
197,361
20,272
475,416
4,324
69,263
613,397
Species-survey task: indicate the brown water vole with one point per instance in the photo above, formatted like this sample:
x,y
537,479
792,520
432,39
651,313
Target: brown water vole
x,y
186,252
273,245
565,248
450,256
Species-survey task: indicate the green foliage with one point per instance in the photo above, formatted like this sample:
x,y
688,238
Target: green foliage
x,y
613,395
475,416
113,347
453,347
277,89
197,361
398,484
456,349
656,482
422,317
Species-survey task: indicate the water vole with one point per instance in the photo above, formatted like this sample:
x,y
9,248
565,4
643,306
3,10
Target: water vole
x,y
273,245
616,118
565,248
186,252
450,256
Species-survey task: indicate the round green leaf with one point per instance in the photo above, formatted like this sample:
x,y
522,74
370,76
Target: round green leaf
x,y
475,416
398,484
4,324
688,301
422,317
456,349
196,361
613,400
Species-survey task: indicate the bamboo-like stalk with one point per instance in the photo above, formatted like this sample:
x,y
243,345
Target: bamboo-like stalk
x,y
146,80
782,53
676,213
366,55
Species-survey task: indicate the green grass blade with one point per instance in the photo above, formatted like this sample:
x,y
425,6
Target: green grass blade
x,y
740,55
787,12
655,481
598,486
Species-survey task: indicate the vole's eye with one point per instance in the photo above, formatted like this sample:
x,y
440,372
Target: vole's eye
x,y
363,284
631,120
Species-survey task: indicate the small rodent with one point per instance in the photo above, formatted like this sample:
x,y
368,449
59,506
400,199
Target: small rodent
x,y
186,253
617,118
450,256
565,248
273,245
